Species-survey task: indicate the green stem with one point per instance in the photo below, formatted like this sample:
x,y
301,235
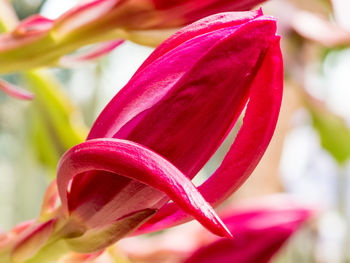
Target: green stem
x,y
47,49
51,252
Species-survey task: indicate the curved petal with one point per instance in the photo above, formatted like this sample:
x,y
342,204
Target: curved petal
x,y
50,199
92,54
258,126
32,241
14,91
84,14
33,24
134,161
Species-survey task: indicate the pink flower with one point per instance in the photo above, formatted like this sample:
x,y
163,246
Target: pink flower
x,y
164,125
259,231
259,228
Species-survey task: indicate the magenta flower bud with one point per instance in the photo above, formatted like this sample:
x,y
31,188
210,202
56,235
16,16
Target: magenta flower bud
x,y
165,124
259,228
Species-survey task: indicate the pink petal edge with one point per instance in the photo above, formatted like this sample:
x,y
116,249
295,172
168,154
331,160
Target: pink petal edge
x,y
33,24
92,54
139,163
15,91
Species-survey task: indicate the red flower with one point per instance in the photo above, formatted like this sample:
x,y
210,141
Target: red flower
x,y
165,124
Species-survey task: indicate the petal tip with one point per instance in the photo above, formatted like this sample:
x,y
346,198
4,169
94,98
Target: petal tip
x,y
222,229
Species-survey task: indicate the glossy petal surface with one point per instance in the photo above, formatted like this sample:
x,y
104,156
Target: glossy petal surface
x,y
134,161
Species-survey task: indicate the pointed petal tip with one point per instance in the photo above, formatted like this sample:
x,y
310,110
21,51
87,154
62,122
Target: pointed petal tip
x,y
220,228
227,233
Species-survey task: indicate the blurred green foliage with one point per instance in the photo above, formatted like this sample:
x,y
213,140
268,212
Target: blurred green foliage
x,y
57,123
333,131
